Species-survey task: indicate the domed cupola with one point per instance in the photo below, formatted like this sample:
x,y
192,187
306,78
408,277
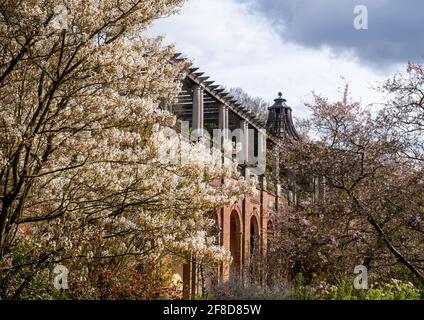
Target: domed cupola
x,y
280,121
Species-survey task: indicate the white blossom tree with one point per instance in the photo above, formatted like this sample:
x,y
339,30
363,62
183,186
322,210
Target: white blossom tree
x,y
89,174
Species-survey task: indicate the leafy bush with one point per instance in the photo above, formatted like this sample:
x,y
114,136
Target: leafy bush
x,y
235,290
344,290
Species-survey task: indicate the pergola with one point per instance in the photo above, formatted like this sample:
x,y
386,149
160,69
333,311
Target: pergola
x,y
206,106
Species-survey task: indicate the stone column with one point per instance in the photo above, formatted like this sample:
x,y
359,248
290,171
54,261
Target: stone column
x,y
276,166
276,174
223,121
245,146
321,189
224,134
198,110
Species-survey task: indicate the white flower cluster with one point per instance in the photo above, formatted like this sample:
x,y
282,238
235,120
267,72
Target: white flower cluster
x,y
100,161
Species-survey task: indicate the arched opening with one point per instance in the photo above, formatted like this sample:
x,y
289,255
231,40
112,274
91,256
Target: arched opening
x,y
235,244
255,252
254,236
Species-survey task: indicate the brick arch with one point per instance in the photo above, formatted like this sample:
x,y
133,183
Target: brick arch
x,y
235,212
235,243
255,232
270,228
254,247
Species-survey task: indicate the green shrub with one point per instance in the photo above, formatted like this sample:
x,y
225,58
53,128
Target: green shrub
x,y
344,290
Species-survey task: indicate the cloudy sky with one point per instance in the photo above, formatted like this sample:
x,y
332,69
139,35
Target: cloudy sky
x,y
298,46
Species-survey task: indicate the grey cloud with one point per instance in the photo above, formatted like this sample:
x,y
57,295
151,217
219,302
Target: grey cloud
x,y
395,34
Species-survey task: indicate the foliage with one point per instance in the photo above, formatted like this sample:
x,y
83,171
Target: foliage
x,y
234,290
372,211
92,174
256,105
344,290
